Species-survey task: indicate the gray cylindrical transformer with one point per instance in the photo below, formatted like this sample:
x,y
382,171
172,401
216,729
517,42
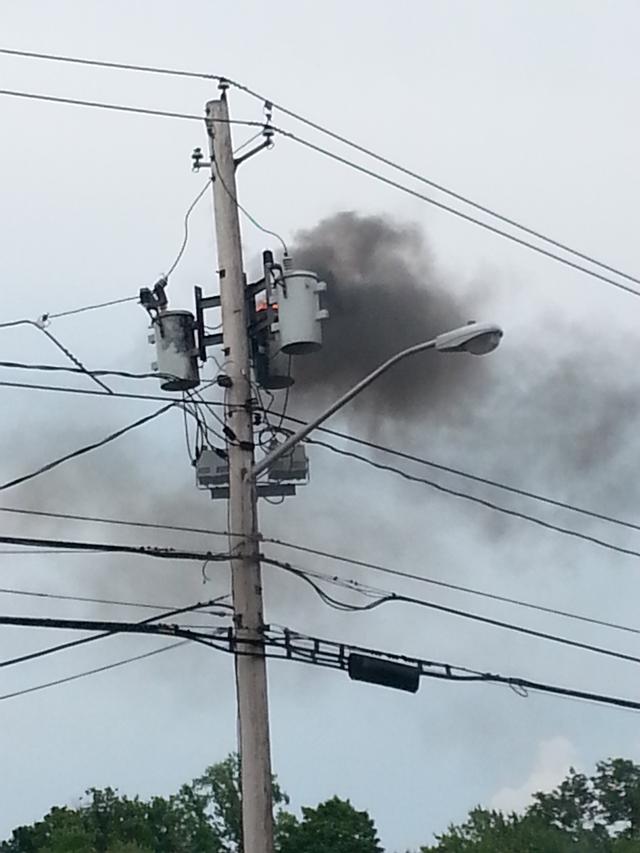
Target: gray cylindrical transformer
x,y
278,373
176,359
299,312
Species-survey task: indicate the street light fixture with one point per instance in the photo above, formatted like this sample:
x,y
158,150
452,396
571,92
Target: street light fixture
x,y
474,338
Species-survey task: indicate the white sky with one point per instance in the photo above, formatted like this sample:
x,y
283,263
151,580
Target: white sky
x,y
527,107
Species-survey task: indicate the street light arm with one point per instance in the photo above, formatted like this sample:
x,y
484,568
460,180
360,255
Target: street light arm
x,y
304,431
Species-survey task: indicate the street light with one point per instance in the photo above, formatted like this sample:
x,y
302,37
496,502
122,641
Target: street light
x,y
475,338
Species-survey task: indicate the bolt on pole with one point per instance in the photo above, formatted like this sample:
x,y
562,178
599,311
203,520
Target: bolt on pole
x,y
250,661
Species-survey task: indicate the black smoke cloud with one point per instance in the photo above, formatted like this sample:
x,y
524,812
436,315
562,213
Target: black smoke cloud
x,y
554,403
384,294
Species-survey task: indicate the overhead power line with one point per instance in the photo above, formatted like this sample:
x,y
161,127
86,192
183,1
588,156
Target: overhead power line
x,y
388,597
110,548
438,486
107,627
467,475
111,302
434,184
152,525
458,213
66,679
86,449
64,368
72,358
547,525
123,108
491,596
41,327
185,238
386,161
58,596
385,596
360,563
93,307
122,66
335,655
123,395
248,215
292,646
107,632
448,469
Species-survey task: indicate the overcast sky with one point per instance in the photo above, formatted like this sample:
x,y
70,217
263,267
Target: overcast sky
x,y
526,107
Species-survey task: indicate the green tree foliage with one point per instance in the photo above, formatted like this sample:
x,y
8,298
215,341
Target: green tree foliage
x,y
584,814
218,791
203,817
332,827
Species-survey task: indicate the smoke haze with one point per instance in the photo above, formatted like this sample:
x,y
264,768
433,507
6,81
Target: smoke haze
x,y
384,294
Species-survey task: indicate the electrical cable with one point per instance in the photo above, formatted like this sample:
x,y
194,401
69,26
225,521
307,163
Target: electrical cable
x,y
66,389
287,395
72,358
350,143
110,548
385,597
525,684
63,368
553,611
106,627
319,553
316,655
126,109
486,481
86,449
202,426
50,316
25,552
243,210
102,635
193,395
456,493
190,454
173,72
93,307
117,521
440,187
206,404
354,439
459,213
57,596
308,577
40,325
185,239
93,671
547,525
248,141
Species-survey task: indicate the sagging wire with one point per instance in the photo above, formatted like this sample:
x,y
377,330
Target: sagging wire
x,y
243,210
311,578
185,239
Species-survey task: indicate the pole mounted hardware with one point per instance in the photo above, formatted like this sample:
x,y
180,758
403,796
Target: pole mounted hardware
x,y
154,300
